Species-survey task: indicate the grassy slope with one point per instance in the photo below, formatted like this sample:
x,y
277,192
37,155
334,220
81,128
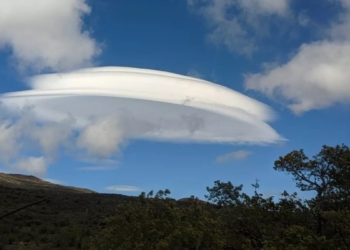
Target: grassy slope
x,y
31,182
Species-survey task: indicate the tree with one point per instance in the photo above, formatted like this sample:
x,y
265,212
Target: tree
x,y
158,222
327,173
224,194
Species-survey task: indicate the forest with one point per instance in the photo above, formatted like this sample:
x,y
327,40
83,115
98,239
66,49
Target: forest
x,y
229,219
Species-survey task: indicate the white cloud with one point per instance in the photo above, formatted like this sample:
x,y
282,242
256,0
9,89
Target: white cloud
x,y
235,155
51,136
98,168
339,30
20,135
34,165
9,145
316,77
72,114
265,7
47,34
123,188
146,104
233,30
102,137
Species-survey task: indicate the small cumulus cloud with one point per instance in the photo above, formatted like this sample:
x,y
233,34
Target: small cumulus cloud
x,y
47,34
235,155
123,189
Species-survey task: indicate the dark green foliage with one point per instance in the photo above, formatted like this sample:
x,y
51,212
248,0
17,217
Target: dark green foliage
x,y
230,219
224,194
58,223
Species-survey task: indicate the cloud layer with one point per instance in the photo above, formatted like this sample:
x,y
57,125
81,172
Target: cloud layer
x,y
146,104
47,34
317,76
95,111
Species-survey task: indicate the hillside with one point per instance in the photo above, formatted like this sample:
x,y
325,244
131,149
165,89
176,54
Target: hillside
x,y
56,223
32,182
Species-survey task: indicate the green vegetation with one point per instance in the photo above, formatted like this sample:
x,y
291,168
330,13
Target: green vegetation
x,y
229,220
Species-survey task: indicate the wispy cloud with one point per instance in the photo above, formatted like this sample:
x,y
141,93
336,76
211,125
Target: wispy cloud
x,y
123,188
317,76
235,155
303,19
99,164
194,73
231,30
47,34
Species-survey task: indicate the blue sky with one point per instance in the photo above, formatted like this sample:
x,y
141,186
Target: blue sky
x,y
291,55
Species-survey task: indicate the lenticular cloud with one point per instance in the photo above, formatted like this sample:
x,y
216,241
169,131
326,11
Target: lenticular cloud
x,y
146,104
